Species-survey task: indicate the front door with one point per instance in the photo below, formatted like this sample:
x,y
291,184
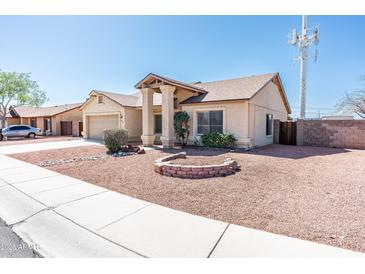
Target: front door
x,y
66,128
45,124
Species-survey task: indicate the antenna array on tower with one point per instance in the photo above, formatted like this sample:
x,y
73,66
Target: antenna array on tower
x,y
303,41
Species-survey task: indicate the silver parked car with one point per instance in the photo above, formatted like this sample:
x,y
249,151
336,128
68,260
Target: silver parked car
x,y
20,131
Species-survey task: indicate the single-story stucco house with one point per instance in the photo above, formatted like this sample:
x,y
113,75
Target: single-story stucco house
x,y
244,107
55,120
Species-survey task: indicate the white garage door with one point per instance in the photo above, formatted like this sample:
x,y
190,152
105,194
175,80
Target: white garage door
x,y
97,124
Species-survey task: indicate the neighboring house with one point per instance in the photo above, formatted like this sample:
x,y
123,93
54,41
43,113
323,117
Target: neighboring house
x,y
244,107
55,120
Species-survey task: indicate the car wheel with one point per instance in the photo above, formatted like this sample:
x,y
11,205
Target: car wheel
x,y
31,135
1,137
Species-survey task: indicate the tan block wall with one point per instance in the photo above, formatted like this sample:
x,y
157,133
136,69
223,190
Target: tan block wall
x,y
331,133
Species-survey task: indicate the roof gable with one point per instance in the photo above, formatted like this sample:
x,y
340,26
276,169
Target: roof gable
x,y
152,80
126,100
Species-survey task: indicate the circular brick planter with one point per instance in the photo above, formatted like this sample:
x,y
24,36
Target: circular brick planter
x,y
164,166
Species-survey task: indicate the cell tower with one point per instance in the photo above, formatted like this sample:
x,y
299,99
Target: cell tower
x,y
303,41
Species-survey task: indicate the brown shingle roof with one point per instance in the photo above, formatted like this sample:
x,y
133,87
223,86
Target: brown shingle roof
x,y
27,111
232,89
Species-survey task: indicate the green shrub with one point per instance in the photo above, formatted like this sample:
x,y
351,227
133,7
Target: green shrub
x,y
115,138
217,139
181,125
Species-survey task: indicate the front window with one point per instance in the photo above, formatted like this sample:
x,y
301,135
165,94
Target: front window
x,y
268,124
210,121
33,122
158,123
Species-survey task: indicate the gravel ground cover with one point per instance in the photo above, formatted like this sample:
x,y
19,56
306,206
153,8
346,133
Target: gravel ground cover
x,y
37,139
311,193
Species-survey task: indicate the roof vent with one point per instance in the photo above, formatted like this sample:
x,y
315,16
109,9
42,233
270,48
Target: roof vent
x,y
197,82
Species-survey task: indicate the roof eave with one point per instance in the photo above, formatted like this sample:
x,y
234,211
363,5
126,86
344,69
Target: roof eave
x,y
213,101
286,102
139,85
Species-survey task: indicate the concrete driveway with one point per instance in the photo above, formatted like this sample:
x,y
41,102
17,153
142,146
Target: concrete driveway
x,y
66,217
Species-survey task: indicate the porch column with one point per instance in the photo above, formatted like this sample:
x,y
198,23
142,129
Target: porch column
x,y
148,136
85,122
168,132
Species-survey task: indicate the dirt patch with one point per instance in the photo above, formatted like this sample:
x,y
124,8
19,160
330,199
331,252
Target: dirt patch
x,y
37,139
315,194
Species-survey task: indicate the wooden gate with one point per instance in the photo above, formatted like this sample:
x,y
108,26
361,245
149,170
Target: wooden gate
x,y
66,128
288,133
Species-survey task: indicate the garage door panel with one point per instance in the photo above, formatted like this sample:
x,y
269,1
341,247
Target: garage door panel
x,y
97,124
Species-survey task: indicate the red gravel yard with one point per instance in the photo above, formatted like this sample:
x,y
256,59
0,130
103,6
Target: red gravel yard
x,y
312,193
37,139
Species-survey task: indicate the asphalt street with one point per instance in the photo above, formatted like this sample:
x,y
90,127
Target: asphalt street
x,y
11,246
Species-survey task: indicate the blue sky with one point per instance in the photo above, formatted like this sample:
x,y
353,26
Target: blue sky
x,y
71,55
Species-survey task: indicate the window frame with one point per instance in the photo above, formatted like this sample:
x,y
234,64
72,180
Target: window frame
x,y
154,121
100,102
196,125
266,124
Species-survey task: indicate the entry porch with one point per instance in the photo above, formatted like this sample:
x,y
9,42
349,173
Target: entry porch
x,y
172,93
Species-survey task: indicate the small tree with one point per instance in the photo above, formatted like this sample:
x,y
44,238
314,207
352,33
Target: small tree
x,y
353,102
181,125
18,89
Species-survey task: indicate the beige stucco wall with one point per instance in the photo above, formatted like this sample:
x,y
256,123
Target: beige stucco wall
x,y
246,120
40,123
267,101
24,121
12,121
133,123
234,119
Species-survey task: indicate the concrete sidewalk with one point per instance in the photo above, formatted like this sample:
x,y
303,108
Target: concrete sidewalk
x,y
12,149
66,217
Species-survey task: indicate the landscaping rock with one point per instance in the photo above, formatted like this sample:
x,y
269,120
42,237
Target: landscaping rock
x,y
71,160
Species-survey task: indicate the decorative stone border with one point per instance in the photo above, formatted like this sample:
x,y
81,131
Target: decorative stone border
x,y
164,166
